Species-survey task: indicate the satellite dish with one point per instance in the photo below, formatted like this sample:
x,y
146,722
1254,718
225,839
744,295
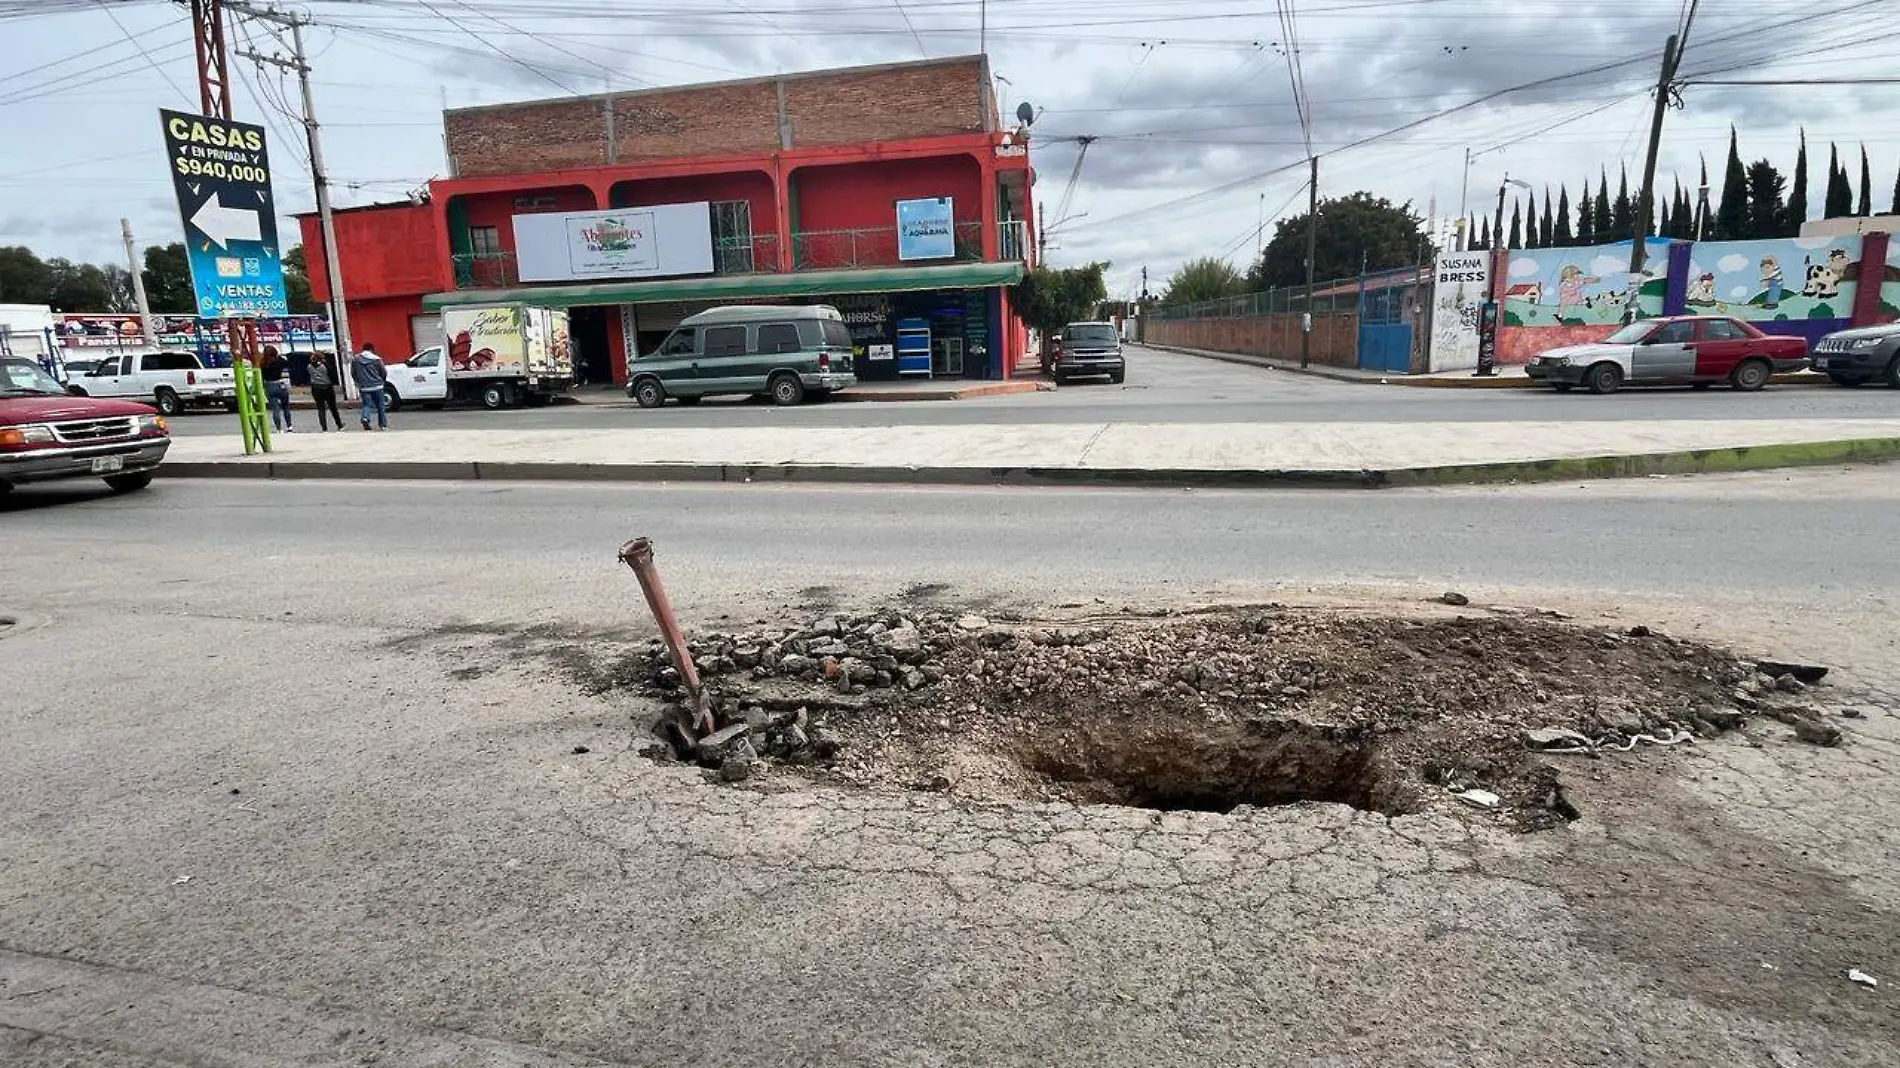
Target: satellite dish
x,y
1025,114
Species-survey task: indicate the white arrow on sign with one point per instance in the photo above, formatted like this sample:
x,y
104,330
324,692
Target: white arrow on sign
x,y
224,225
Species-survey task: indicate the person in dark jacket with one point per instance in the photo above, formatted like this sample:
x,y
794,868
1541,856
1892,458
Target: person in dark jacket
x,y
323,389
369,374
276,371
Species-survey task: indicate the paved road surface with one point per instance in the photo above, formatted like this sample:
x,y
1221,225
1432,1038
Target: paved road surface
x,y
324,808
1164,387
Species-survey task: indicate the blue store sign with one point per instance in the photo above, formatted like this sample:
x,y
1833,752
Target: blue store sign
x,y
926,229
221,173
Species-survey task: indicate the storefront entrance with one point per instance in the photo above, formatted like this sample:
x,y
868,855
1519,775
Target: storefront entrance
x,y
587,330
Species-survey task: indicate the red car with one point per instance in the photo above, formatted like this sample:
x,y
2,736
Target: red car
x,y
46,434
1697,350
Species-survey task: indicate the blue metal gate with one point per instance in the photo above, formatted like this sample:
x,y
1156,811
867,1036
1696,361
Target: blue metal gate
x,y
1385,330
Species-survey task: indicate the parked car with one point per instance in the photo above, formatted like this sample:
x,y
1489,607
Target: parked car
x,y
783,353
47,433
1697,350
1089,349
1857,357
79,366
170,381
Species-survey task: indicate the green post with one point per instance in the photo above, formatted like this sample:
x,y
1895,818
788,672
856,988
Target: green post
x,y
253,421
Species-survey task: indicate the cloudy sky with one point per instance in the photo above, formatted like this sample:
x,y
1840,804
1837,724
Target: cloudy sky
x,y
1193,105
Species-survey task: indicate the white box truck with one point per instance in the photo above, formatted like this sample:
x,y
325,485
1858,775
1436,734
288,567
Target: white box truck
x,y
497,355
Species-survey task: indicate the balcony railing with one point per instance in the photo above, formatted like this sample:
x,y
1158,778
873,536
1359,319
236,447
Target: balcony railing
x,y
757,254
829,250
1011,244
485,270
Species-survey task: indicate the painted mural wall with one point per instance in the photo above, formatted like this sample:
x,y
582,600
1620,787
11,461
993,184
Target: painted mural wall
x,y
1780,280
1571,296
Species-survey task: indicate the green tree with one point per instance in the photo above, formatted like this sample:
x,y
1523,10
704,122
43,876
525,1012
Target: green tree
x,y
1797,210
1517,226
1895,209
1586,218
77,287
1355,231
1484,241
297,283
1563,237
1601,218
168,280
1206,278
1840,195
1767,211
119,295
1731,214
1546,232
24,277
1623,211
1663,224
1866,185
1050,298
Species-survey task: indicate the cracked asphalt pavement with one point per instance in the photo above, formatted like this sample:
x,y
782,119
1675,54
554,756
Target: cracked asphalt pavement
x,y
277,792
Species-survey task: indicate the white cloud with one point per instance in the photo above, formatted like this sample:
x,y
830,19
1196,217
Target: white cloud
x,y
1731,263
1739,293
1523,267
1605,266
1807,243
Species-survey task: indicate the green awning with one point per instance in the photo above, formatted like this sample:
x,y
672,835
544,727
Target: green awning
x,y
729,288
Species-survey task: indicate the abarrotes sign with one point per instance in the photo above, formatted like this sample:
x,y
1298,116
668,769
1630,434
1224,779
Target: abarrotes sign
x,y
221,174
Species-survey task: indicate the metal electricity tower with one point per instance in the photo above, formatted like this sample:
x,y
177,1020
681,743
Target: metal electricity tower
x,y
319,176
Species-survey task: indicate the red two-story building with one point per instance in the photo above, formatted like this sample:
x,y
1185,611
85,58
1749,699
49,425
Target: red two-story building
x,y
890,192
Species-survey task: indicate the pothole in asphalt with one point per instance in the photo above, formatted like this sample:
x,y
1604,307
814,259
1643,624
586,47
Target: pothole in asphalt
x,y
1447,707
1214,770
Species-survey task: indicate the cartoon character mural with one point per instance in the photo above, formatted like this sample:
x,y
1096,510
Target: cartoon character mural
x,y
1771,280
1584,286
1748,279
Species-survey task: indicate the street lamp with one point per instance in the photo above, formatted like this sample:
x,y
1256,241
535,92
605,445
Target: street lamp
x,y
1489,316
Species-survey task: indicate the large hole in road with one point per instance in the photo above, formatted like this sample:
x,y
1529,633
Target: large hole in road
x,y
1209,710
1212,770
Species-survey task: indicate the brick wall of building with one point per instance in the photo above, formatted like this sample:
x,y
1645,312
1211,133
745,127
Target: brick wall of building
x,y
1335,340
927,99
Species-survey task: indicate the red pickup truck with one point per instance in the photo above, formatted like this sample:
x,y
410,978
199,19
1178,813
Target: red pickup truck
x,y
46,434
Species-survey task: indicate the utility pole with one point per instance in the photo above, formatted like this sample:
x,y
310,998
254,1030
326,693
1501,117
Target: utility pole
x,y
1464,203
1312,249
138,284
1645,201
1259,228
332,269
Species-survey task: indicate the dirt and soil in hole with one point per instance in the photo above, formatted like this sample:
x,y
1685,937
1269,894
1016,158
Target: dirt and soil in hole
x,y
1207,710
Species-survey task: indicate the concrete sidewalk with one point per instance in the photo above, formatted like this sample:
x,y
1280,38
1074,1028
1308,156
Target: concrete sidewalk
x,y
1258,454
1507,377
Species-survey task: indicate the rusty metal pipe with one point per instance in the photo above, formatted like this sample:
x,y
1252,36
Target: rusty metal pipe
x,y
638,555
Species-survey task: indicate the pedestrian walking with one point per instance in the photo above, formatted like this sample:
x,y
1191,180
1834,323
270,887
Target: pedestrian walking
x,y
276,371
368,372
323,389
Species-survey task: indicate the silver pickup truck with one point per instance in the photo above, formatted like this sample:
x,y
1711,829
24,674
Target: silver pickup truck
x,y
169,380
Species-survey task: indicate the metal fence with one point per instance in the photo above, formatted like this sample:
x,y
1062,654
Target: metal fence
x,y
1337,295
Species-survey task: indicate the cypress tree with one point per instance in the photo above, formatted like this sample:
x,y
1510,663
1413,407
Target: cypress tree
x,y
1564,238
1731,214
1866,185
1895,209
1622,212
1586,218
1601,220
1797,212
1840,195
1517,229
1545,233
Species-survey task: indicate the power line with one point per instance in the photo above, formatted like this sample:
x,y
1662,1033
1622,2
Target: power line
x,y
182,95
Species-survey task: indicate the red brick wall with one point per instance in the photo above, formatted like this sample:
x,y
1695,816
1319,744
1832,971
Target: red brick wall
x,y
384,251
887,105
1335,337
847,107
1517,344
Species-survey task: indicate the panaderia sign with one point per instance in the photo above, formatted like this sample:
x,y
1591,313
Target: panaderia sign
x,y
658,240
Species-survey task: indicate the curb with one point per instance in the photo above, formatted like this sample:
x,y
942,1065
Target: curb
x,y
1682,462
1795,378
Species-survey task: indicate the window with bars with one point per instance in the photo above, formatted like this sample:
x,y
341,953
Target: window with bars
x,y
484,241
732,236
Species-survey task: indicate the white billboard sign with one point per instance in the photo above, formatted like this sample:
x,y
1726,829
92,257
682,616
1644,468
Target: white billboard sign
x,y
655,241
1459,286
